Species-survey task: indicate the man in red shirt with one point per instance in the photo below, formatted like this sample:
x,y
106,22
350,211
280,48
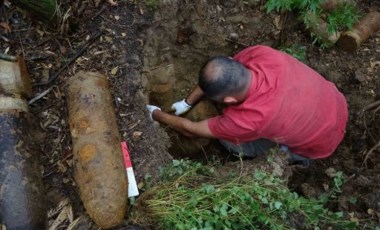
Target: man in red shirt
x,y
273,99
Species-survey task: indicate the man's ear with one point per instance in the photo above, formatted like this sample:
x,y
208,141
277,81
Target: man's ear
x,y
230,100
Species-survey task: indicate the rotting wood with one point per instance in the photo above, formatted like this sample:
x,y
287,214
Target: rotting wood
x,y
98,161
362,30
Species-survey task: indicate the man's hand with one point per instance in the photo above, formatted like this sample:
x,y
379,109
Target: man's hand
x,y
151,108
181,107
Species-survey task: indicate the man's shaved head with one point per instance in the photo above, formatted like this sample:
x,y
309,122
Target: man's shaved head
x,y
222,76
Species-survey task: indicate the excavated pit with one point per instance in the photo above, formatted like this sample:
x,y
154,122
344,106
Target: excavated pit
x,y
169,79
182,37
177,46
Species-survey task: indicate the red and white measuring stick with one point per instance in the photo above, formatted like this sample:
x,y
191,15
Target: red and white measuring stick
x,y
132,185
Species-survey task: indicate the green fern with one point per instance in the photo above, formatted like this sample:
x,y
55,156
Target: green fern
x,y
279,5
310,5
342,18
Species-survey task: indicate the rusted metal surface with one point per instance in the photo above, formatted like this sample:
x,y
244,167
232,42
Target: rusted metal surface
x,y
21,188
99,167
22,203
362,30
320,29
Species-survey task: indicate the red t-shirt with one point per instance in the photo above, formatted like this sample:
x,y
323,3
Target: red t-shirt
x,y
288,103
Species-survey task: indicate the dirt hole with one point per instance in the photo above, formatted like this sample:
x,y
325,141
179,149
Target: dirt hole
x,y
169,79
173,54
183,36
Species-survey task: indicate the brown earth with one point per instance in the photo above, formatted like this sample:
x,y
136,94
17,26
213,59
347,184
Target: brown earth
x,y
153,56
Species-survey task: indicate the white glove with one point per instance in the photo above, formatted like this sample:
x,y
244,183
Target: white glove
x,y
181,107
151,108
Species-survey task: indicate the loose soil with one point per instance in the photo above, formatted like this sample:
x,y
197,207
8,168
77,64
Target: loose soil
x,y
152,55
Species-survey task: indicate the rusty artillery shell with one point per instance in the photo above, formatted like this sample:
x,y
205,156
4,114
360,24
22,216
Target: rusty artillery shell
x,y
99,168
362,30
21,189
321,31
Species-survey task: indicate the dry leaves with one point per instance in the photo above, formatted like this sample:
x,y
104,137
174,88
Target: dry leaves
x,y
112,2
61,217
330,172
115,70
6,27
65,215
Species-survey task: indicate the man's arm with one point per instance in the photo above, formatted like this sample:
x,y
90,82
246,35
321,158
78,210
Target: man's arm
x,y
195,96
183,125
185,105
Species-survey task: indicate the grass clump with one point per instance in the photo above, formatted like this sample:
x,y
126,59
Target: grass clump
x,y
193,196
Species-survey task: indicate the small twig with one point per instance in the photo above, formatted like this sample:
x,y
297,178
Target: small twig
x,y
99,12
236,42
132,126
366,127
39,96
241,167
372,106
369,153
42,42
20,30
204,153
22,46
283,21
4,38
72,60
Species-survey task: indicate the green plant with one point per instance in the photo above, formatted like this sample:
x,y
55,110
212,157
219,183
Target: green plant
x,y
352,200
288,5
183,168
342,18
338,182
153,4
295,50
311,14
279,5
197,198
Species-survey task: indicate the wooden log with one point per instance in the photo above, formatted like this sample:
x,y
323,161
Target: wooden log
x,y
22,203
99,168
351,40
